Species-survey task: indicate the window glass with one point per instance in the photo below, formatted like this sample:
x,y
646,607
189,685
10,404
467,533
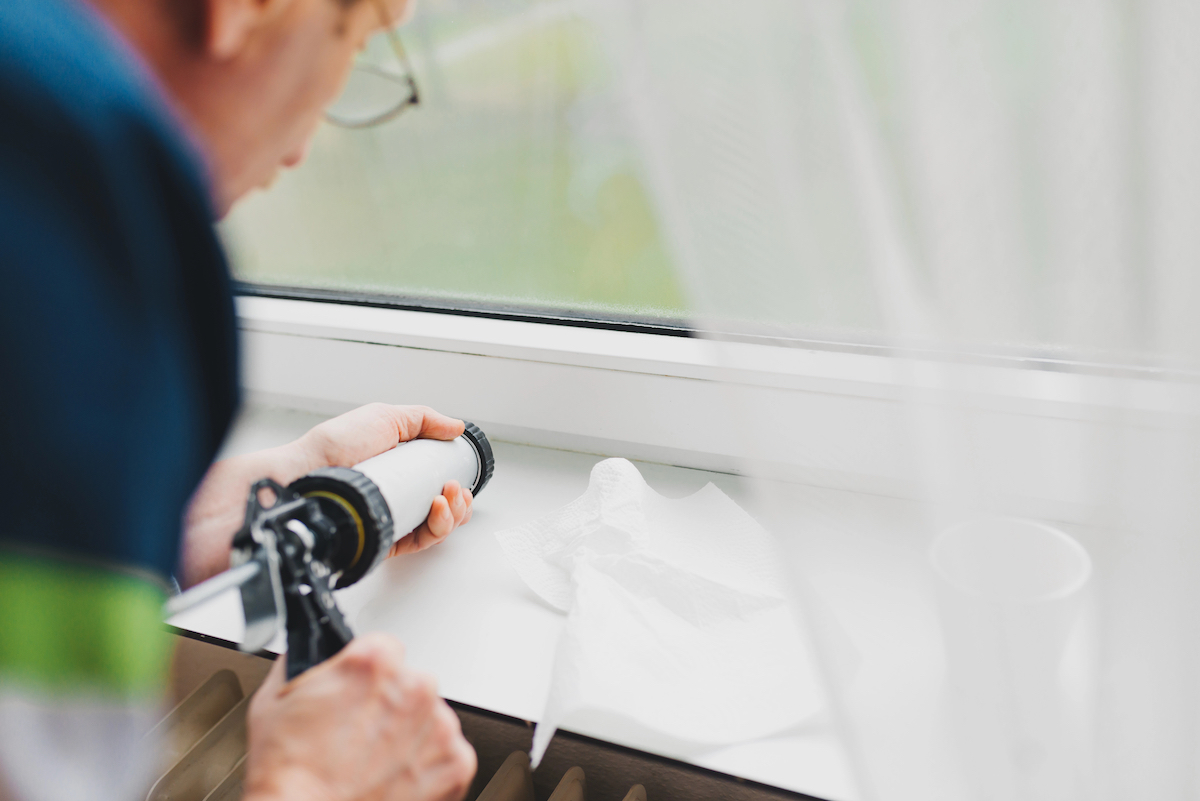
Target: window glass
x,y
514,181
973,179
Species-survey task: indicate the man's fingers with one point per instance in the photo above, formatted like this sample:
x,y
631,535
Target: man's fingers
x,y
452,757
448,511
441,519
418,539
415,422
425,423
369,430
275,679
459,500
402,546
370,652
436,527
443,763
470,499
394,737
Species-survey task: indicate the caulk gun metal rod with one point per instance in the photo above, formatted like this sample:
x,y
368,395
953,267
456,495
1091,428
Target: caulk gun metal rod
x,y
207,590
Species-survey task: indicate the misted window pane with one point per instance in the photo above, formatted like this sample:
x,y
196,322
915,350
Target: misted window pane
x,y
513,181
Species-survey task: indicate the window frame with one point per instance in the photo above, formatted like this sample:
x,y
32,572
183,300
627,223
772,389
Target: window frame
x,y
831,418
468,308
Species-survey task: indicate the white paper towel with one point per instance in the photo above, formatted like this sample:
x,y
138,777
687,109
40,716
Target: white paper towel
x,y
677,621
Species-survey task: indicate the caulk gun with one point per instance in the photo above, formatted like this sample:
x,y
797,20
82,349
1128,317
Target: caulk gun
x,y
327,530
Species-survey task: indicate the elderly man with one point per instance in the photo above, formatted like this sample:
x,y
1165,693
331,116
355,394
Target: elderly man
x,y
126,128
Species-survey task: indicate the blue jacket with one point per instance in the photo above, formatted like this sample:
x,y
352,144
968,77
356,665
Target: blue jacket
x,y
118,351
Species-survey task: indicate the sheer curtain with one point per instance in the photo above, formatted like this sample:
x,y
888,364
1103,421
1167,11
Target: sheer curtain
x,y
1004,197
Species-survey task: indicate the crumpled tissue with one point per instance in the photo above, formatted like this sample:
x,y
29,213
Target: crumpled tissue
x,y
677,620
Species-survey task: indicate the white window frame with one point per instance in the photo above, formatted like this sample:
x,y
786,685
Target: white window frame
x,y
824,417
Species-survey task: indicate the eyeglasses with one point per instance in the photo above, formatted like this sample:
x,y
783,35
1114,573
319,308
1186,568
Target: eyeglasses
x,y
381,84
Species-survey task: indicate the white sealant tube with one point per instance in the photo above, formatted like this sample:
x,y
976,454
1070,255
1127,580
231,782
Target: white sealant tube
x,y
413,473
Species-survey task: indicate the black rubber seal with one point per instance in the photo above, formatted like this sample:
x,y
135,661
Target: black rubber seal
x,y
483,449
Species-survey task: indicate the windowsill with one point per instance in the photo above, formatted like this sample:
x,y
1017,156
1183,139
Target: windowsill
x,y
834,474
467,618
817,418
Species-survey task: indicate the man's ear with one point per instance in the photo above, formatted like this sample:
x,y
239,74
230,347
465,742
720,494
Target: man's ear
x,y
231,23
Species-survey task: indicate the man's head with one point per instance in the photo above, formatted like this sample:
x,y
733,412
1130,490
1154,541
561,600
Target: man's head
x,y
251,76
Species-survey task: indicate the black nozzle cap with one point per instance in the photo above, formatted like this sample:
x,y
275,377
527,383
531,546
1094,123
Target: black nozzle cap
x,y
362,537
483,448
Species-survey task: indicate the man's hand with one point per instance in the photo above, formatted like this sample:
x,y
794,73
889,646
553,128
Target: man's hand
x,y
217,509
358,726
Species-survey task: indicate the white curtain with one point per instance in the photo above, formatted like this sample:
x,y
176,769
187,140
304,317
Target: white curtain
x,y
1005,195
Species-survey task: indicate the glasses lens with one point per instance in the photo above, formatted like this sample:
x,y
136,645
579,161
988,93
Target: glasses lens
x,y
377,86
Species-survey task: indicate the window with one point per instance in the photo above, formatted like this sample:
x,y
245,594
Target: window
x,y
976,225
514,182
823,176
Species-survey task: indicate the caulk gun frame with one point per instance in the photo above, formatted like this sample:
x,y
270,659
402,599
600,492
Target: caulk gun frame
x,y
262,597
293,590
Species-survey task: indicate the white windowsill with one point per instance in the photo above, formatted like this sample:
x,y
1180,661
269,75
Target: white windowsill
x,y
466,617
837,454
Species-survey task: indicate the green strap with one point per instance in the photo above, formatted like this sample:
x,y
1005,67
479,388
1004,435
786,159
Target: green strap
x,y
67,627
